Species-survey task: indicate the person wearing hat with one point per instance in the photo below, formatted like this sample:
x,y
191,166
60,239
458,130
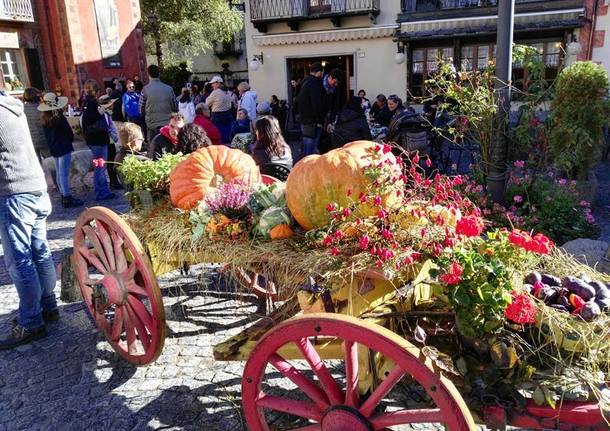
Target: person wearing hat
x,y
109,103
24,207
311,109
219,102
59,137
95,128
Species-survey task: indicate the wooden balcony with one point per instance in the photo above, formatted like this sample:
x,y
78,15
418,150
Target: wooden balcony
x,y
16,10
422,10
264,12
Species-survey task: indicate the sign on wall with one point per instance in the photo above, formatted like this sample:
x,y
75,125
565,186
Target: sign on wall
x,y
9,39
107,17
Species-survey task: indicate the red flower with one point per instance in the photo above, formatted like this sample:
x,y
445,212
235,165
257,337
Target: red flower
x,y
470,226
454,276
522,309
416,158
519,237
328,240
99,163
346,212
428,162
330,207
364,242
387,149
335,251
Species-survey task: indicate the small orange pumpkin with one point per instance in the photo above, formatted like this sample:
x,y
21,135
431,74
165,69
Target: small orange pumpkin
x,y
280,231
206,168
317,180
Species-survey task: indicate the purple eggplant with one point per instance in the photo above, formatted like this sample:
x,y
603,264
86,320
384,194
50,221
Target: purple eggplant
x,y
548,294
597,285
603,303
590,311
564,301
551,280
533,277
578,287
603,294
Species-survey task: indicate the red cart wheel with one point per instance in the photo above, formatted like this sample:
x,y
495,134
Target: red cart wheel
x,y
329,405
119,286
250,281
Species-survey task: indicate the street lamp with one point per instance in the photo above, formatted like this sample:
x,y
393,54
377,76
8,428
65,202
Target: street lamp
x,y
399,57
257,61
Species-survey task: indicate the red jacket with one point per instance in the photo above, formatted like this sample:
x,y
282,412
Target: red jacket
x,y
210,129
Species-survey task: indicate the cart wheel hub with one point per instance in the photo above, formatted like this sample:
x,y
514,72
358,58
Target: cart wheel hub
x,y
112,290
340,418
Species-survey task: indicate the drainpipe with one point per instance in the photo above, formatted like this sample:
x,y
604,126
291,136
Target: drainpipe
x,y
593,21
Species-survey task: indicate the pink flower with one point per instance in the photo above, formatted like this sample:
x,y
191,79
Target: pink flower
x,y
562,182
335,251
428,162
387,149
519,164
416,158
346,212
585,204
590,219
330,207
377,200
99,163
518,198
364,242
382,214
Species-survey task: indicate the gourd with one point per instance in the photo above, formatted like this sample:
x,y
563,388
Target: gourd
x,y
280,231
207,168
318,180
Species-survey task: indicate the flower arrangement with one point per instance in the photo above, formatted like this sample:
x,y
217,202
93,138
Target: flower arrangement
x,y
476,280
237,211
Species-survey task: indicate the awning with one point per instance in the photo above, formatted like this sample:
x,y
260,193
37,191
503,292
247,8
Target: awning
x,y
437,29
335,35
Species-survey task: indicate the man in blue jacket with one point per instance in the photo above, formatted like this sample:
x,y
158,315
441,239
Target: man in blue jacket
x,y
24,207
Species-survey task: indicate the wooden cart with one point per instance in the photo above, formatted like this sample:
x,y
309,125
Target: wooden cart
x,y
317,362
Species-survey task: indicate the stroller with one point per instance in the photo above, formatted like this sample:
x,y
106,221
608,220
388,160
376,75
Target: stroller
x,y
411,131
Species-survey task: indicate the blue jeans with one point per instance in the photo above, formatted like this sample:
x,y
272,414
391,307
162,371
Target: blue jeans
x,y
62,173
100,180
27,256
310,145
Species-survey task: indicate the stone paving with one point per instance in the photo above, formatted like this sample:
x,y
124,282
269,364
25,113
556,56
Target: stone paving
x,y
73,380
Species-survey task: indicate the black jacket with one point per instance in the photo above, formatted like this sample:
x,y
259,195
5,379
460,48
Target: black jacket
x,y
59,137
93,124
384,116
351,126
310,101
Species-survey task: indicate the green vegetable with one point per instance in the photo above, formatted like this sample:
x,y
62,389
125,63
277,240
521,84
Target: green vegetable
x,y
149,175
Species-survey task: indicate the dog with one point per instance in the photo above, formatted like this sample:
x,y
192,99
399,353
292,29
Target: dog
x,y
80,166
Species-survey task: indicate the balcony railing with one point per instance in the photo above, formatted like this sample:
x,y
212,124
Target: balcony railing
x,y
438,5
16,10
234,48
281,10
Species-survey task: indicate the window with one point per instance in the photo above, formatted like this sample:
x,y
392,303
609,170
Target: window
x,y
476,57
550,54
424,62
10,59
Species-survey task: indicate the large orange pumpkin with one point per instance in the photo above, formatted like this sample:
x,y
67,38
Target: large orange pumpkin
x,y
317,180
207,168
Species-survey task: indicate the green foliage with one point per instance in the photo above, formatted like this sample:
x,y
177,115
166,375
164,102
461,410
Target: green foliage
x,y
149,175
480,298
578,113
188,27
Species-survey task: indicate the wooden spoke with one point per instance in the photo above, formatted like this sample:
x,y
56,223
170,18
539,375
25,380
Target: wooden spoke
x,y
136,289
104,237
119,253
97,246
143,334
343,412
296,408
91,258
308,387
316,363
351,373
403,417
107,252
382,390
117,324
141,312
131,334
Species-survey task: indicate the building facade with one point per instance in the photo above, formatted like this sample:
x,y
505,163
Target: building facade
x,y
228,59
355,36
20,55
368,39
464,32
89,39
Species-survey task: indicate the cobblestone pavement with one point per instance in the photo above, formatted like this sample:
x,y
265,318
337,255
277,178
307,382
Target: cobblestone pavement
x,y
73,380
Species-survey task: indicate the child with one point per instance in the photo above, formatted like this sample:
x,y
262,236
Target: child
x,y
59,136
